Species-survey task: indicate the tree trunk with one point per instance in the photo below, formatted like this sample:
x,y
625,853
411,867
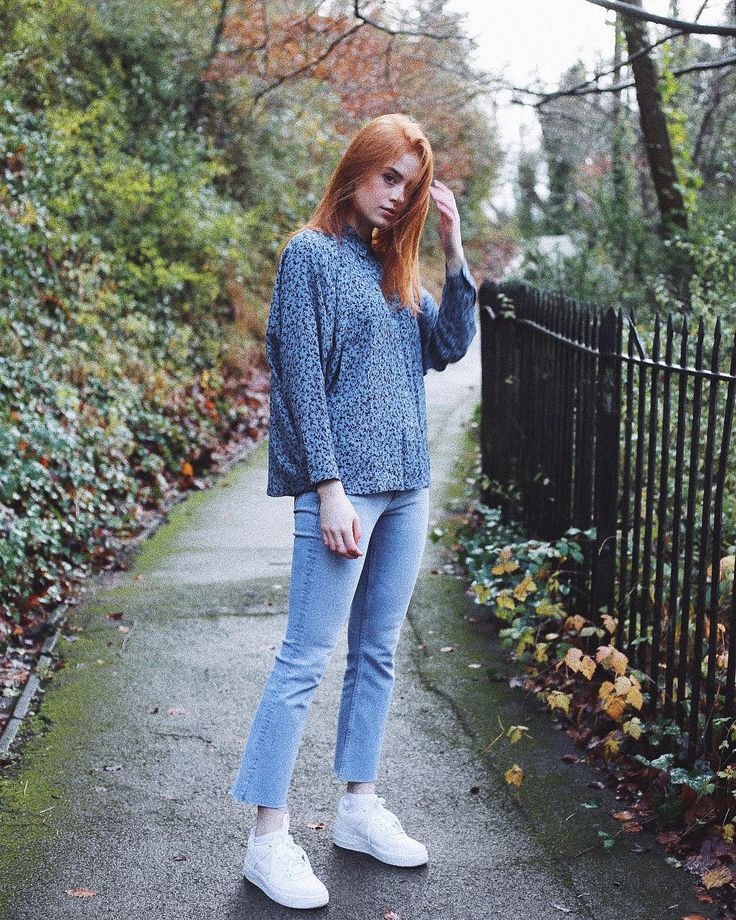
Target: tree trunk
x,y
195,110
654,128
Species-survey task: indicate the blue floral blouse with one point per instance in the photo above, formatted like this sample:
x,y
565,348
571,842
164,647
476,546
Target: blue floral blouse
x,y
347,367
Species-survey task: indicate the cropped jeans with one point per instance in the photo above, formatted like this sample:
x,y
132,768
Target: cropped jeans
x,y
375,589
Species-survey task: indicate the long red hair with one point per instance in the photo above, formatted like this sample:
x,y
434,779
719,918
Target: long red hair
x,y
380,141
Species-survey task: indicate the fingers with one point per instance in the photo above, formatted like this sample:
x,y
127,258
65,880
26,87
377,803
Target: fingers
x,y
340,525
343,541
445,200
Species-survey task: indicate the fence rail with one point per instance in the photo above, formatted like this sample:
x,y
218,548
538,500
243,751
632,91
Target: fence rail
x,y
598,429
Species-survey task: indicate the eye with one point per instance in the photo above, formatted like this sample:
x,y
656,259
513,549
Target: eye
x,y
389,177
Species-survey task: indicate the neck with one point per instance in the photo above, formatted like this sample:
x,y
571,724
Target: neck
x,y
361,227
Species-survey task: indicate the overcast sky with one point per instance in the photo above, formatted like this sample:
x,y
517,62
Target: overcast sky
x,y
523,39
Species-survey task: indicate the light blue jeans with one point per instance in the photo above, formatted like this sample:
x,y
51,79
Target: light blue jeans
x,y
375,589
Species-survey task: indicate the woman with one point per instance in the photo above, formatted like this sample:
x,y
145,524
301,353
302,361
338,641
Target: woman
x,y
350,335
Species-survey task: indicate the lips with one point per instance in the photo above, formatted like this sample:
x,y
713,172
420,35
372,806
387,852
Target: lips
x,y
387,211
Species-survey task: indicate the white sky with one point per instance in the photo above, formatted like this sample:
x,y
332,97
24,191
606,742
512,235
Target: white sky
x,y
523,39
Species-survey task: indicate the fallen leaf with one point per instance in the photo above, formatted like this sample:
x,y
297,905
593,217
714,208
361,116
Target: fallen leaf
x,y
175,711
447,648
390,915
717,878
115,616
474,664
317,825
514,776
80,892
124,628
179,858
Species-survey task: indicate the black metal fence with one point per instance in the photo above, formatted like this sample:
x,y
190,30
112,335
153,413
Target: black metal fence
x,y
598,429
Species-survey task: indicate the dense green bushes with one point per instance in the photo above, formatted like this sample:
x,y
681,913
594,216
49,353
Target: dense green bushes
x,y
116,251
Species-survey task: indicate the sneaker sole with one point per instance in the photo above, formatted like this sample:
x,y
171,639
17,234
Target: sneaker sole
x,y
299,901
350,842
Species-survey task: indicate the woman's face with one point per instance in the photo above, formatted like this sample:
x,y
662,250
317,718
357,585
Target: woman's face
x,y
380,197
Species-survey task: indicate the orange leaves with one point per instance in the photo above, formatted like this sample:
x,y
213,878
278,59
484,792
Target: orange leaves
x,y
611,659
616,696
578,662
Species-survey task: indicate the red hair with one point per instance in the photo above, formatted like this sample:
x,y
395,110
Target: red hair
x,y
380,141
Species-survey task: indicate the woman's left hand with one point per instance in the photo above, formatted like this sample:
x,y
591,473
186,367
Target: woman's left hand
x,y
450,238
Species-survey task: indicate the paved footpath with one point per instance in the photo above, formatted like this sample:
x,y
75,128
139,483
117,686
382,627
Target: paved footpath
x,y
124,788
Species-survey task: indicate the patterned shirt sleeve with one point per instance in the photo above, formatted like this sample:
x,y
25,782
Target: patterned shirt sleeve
x,y
447,331
299,332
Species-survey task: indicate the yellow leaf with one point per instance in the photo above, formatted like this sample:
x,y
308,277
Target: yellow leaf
x,y
728,832
605,689
610,623
572,658
503,567
634,698
524,588
514,776
525,640
483,592
516,732
545,609
575,623
503,600
622,685
505,553
587,666
717,877
540,652
611,746
559,700
633,727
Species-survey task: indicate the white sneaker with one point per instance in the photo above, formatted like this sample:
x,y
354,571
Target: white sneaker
x,y
371,828
281,869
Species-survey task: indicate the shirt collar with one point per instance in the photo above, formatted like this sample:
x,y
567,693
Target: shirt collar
x,y
356,241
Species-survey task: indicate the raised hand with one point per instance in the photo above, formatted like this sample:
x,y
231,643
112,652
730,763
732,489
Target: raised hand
x,y
450,237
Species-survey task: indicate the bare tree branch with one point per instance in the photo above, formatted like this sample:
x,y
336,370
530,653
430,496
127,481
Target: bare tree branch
x,y
548,97
601,90
680,24
415,32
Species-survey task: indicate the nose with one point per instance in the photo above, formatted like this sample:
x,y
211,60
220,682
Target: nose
x,y
397,195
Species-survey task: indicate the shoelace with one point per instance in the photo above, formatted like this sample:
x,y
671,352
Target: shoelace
x,y
296,860
387,817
